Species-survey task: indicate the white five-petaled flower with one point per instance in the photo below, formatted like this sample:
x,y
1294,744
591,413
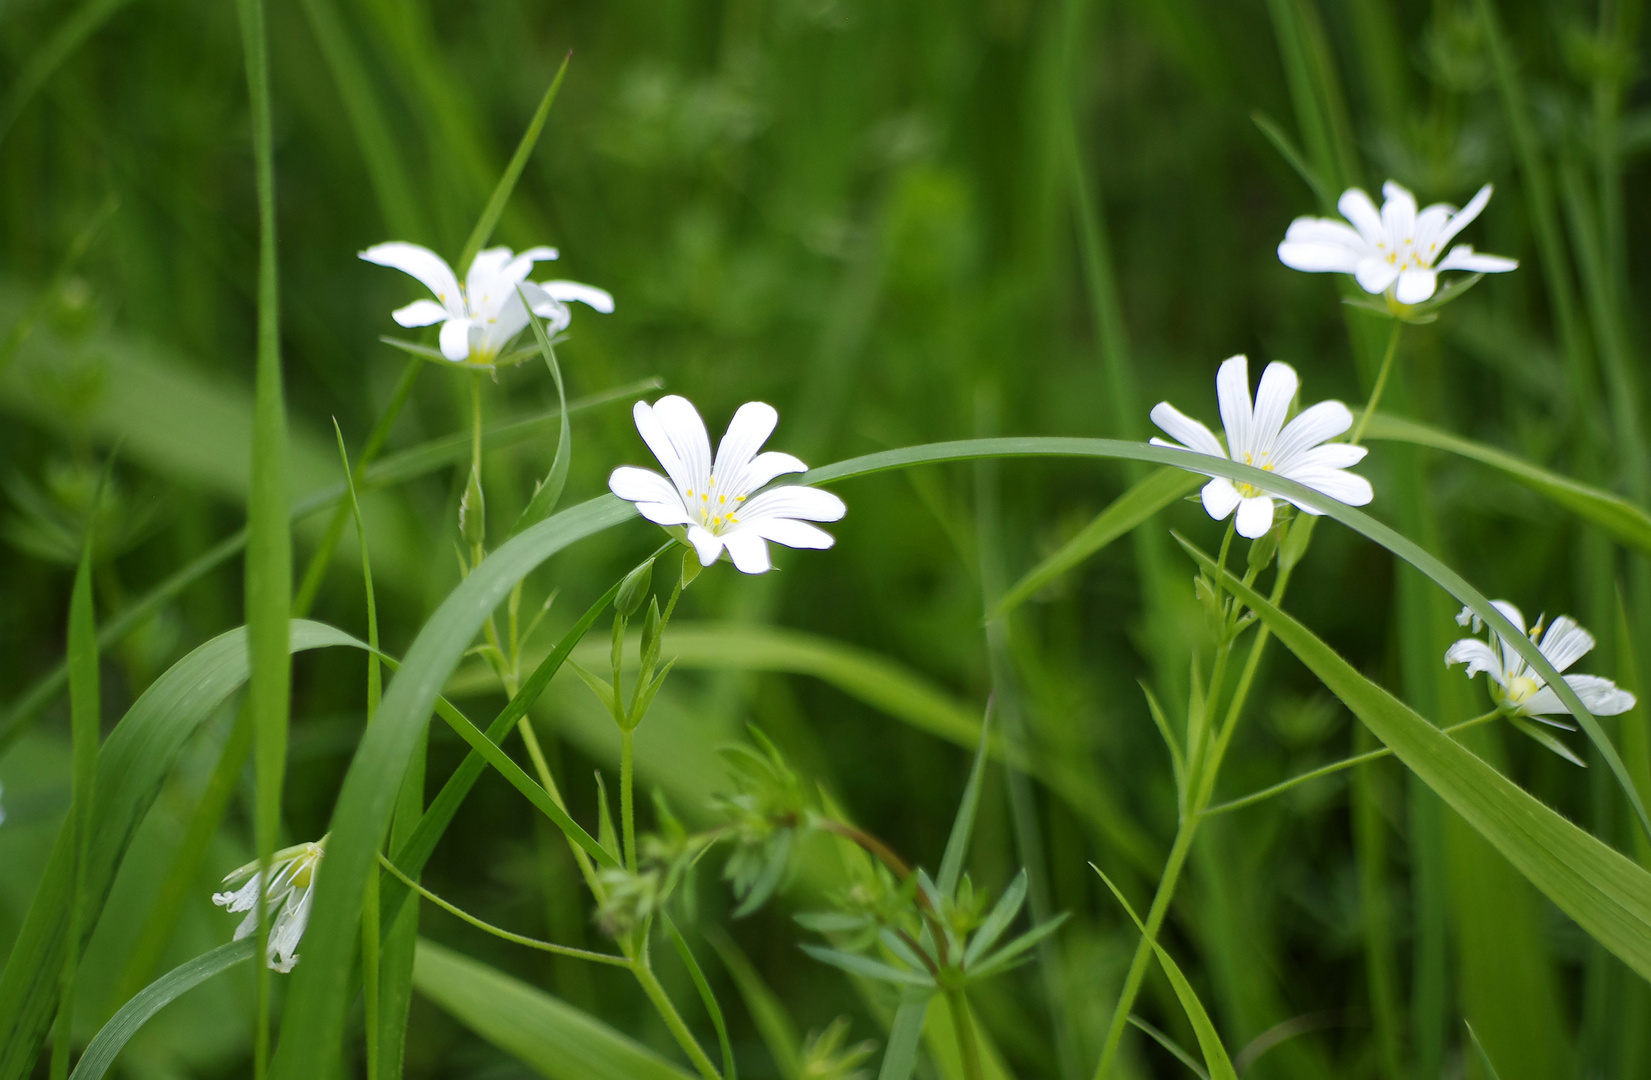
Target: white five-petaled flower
x,y
713,499
1396,249
482,316
1258,435
289,896
1514,685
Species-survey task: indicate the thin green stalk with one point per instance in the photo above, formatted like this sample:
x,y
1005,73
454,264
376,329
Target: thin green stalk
x,y
627,809
673,1020
1381,384
968,1047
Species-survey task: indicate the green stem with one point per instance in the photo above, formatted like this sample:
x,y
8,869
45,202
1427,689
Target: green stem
x,y
967,1046
1381,383
673,1020
627,808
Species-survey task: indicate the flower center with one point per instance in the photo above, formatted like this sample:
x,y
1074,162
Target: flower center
x,y
714,509
1250,491
1521,688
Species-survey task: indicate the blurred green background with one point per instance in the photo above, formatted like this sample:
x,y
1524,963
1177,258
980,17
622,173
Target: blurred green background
x,y
898,223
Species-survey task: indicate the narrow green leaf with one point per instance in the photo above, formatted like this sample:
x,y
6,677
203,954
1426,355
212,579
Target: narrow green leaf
x,y
900,1055
129,1020
1608,895
1012,953
553,1038
1145,498
1484,1058
512,173
866,967
549,492
1177,759
1292,157
1176,1049
957,844
768,1012
1003,913
706,996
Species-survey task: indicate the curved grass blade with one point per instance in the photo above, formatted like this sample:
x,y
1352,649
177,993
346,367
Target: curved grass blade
x,y
957,844
313,1018
549,492
133,764
712,1009
1484,1058
1627,523
1145,498
114,1035
1607,894
555,1039
1176,1050
512,173
768,1012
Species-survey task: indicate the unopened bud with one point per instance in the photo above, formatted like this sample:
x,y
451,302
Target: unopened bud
x,y
633,589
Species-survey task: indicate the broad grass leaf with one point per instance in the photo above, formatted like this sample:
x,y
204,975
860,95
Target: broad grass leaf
x,y
551,1037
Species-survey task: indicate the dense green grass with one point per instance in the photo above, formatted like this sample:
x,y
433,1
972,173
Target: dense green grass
x,y
900,224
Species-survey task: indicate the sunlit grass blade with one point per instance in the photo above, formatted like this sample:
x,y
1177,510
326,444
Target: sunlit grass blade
x,y
1144,499
1623,520
129,1020
1215,1055
507,183
706,996
555,1039
549,491
1608,895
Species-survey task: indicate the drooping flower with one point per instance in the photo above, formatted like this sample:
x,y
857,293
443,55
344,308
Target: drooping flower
x,y
1258,435
1516,686
482,316
1395,250
289,896
713,499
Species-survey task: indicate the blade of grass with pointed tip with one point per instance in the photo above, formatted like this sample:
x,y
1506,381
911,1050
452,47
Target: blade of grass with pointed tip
x,y
957,844
1176,1049
768,1012
507,183
549,492
1145,498
1608,895
129,1020
712,1008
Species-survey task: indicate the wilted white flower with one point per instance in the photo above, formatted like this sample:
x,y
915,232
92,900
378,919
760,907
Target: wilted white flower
x,y
713,499
1515,686
481,317
288,898
1258,435
1396,249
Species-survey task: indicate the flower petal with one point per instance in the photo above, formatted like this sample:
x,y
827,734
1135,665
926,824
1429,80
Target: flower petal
x,y
1219,497
455,339
674,432
1398,212
589,295
484,282
1327,456
706,543
1375,274
547,307
748,550
1477,655
1232,394
1565,643
1600,696
1459,220
769,464
1319,258
753,422
1312,426
792,533
1255,517
1344,487
656,498
1463,257
1185,430
420,313
1416,286
793,501
1273,398
522,265
1358,208
424,264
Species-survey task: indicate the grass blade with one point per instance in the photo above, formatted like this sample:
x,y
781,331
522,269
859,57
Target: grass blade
x,y
713,1009
549,492
114,1035
512,173
900,1055
957,844
70,35
1176,1050
768,1012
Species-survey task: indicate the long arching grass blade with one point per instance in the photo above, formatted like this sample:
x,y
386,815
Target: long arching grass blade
x,y
507,183
549,491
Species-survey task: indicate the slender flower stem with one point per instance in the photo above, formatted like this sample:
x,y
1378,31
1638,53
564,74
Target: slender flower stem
x,y
673,1020
627,808
968,1047
1381,383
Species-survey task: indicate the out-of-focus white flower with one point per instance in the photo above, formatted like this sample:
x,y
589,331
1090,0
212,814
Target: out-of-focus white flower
x,y
1396,248
1518,688
2,808
481,317
1258,435
713,500
289,896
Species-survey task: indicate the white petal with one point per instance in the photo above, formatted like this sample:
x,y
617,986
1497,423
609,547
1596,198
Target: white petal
x,y
1325,232
1255,517
1357,207
1416,286
1601,697
1398,212
455,339
1232,393
748,550
1462,217
1375,274
656,498
1272,404
753,422
674,432
1328,456
769,464
793,501
1430,224
420,313
522,265
1185,430
1319,258
1463,257
421,263
501,326
589,295
1565,643
1312,426
484,282
1477,655
792,533
1344,487
241,899
706,543
1219,497
1511,613
547,307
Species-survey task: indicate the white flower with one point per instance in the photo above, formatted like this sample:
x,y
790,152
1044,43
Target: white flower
x,y
1516,686
1259,436
481,317
1395,249
289,896
711,497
